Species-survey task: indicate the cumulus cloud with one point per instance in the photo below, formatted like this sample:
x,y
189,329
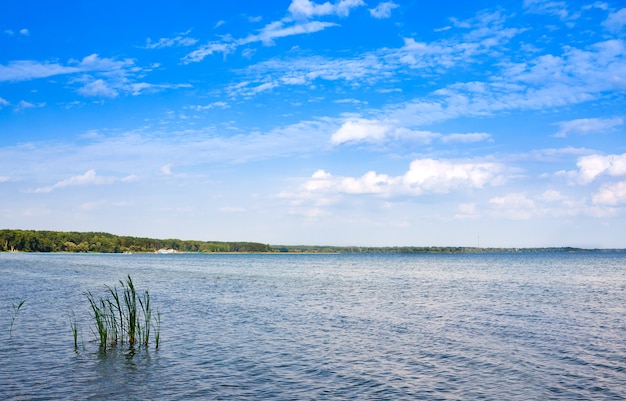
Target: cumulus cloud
x,y
383,9
442,176
90,177
359,130
588,126
611,194
423,176
592,166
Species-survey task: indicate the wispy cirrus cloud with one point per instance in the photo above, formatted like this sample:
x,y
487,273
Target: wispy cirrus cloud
x,y
267,35
181,40
96,76
89,178
550,7
299,21
587,126
481,36
359,130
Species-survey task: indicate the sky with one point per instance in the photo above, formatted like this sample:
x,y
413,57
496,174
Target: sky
x,y
345,122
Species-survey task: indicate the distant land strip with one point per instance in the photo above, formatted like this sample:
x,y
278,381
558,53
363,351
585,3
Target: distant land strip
x,y
99,242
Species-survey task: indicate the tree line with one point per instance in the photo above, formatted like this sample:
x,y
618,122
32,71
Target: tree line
x,y
57,241
99,242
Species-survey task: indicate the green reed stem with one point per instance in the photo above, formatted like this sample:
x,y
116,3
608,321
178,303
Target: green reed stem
x,y
74,327
16,309
157,329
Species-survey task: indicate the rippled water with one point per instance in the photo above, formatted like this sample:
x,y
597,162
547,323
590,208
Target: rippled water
x,y
311,327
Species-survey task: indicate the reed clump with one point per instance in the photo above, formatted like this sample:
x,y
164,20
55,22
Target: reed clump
x,y
124,316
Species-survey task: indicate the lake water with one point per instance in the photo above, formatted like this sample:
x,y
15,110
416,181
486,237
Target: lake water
x,y
323,327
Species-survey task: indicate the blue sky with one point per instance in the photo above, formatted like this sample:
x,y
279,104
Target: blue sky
x,y
350,122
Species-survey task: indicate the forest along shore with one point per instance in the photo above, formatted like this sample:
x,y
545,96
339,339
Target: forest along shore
x,y
100,242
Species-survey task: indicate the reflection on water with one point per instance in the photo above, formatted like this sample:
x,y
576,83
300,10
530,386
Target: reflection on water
x,y
392,327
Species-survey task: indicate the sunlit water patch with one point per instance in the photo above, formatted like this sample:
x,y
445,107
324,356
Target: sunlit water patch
x,y
284,327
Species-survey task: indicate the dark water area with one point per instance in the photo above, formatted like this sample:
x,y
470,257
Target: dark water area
x,y
323,327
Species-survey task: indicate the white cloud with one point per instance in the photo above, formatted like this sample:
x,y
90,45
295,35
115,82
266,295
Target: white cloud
x,y
24,32
467,211
442,176
423,176
278,29
357,130
99,77
592,166
383,9
266,35
516,206
90,177
466,138
308,8
167,169
300,9
360,130
616,21
549,7
178,41
26,69
98,88
552,195
588,126
23,105
221,105
611,194
232,209
23,70
203,51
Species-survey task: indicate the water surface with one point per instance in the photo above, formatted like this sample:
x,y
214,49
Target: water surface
x,y
311,327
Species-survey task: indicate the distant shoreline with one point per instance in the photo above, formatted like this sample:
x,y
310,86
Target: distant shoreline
x,y
98,242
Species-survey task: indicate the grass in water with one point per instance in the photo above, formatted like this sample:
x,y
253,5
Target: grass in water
x,y
124,316
74,327
16,309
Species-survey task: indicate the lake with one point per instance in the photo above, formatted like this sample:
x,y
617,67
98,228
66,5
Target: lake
x,y
323,327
